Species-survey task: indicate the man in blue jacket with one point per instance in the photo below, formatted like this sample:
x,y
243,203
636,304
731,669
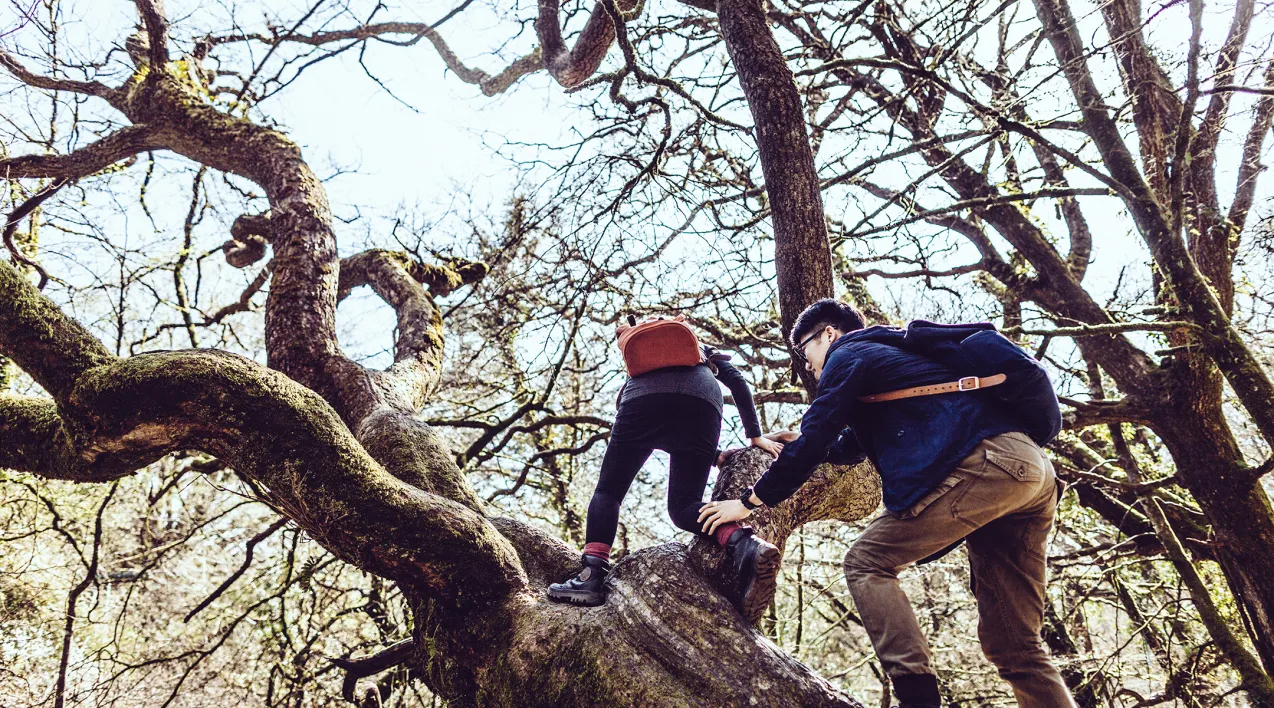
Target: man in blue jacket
x,y
953,466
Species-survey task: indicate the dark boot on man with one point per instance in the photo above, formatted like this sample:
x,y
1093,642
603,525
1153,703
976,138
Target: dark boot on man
x,y
756,565
586,589
917,691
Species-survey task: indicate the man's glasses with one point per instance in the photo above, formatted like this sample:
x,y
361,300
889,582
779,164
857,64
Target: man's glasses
x,y
800,348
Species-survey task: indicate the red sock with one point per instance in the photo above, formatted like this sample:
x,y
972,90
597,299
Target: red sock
x,y
725,531
597,550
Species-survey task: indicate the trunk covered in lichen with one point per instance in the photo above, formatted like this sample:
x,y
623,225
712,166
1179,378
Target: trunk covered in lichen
x,y
338,449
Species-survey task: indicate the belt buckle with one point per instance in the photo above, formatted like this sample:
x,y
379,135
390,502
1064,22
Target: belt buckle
x,y
969,383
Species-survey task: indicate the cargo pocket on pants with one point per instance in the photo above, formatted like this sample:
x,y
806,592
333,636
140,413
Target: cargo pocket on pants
x,y
936,493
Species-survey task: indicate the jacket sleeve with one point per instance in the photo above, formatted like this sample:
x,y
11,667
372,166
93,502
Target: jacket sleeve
x,y
821,429
733,379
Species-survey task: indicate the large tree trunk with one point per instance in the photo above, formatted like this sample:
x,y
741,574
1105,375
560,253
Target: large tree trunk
x,y
485,632
802,253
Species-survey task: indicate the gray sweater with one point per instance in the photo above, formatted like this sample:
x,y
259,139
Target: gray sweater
x,y
698,381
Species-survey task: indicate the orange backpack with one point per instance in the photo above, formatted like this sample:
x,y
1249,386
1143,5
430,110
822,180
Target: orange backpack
x,y
657,342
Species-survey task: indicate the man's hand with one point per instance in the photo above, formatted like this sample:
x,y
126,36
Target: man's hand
x,y
783,436
713,514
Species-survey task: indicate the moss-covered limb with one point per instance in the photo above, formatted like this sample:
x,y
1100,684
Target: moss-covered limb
x,y
418,349
401,282
301,307
291,442
380,405
411,451
49,346
32,439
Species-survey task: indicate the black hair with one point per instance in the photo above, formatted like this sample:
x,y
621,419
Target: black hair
x,y
827,311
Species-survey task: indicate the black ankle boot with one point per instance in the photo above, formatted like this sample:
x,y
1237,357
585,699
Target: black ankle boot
x,y
756,565
586,589
917,691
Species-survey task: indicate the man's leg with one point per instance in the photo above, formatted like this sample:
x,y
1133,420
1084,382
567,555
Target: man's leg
x,y
872,564
975,494
1007,559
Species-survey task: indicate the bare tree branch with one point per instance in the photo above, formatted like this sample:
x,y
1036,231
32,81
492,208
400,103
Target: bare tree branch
x,y
385,659
91,88
94,157
249,549
415,31
16,217
570,67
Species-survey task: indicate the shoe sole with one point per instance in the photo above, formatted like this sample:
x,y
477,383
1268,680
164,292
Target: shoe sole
x,y
760,592
576,601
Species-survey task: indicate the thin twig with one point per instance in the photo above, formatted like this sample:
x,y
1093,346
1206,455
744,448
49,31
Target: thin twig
x,y
11,227
243,568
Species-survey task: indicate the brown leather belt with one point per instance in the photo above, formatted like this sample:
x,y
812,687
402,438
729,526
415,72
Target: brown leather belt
x,y
968,383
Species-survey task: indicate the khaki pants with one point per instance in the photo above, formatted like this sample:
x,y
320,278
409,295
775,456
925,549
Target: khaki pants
x,y
1002,499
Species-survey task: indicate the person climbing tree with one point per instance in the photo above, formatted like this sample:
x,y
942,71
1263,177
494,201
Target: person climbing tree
x,y
955,463
672,402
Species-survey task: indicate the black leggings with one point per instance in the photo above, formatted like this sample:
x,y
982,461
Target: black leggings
x,y
687,428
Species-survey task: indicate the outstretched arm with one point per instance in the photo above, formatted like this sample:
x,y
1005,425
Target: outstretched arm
x,y
821,433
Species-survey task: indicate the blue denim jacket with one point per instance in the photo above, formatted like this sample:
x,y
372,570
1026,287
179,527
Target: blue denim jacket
x,y
914,442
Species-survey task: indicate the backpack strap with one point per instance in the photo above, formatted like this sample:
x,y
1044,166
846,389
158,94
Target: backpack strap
x,y
968,383
710,356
